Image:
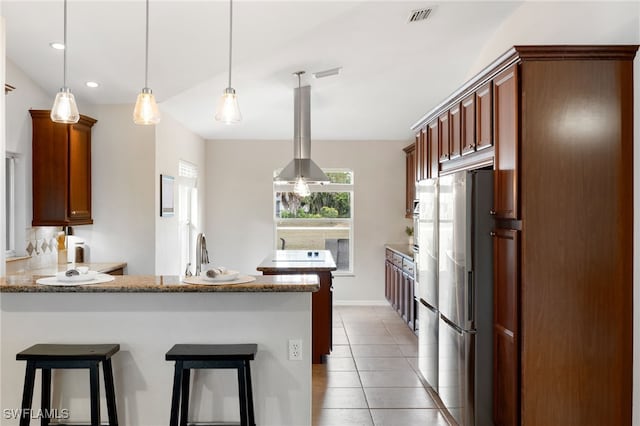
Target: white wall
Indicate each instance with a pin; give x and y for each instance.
(122, 187)
(173, 143)
(2, 148)
(27, 95)
(551, 22)
(240, 228)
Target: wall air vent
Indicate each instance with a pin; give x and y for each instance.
(419, 15)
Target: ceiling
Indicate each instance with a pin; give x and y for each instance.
(392, 71)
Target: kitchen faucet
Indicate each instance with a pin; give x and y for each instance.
(201, 253)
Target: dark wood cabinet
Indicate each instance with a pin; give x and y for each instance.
(400, 286)
(556, 124)
(505, 122)
(443, 136)
(505, 327)
(61, 170)
(411, 169)
(455, 128)
(484, 116)
(433, 147)
(468, 124)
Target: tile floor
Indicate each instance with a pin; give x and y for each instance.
(370, 377)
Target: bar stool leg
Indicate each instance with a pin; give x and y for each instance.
(111, 393)
(175, 396)
(46, 397)
(242, 391)
(184, 406)
(94, 384)
(27, 393)
(252, 420)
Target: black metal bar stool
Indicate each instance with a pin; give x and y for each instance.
(49, 356)
(188, 357)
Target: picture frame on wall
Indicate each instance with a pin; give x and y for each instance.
(167, 205)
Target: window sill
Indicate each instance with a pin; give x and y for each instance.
(343, 274)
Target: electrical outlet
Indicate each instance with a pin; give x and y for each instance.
(295, 350)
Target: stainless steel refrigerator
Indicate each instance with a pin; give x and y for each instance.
(426, 257)
(465, 296)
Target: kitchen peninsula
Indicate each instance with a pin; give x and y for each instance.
(321, 263)
(147, 315)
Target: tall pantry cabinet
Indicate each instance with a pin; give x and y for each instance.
(561, 120)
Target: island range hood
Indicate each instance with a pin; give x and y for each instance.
(302, 168)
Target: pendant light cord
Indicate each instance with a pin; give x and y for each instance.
(64, 54)
(146, 49)
(230, 36)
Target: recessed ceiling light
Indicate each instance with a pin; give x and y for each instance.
(327, 73)
(57, 45)
(92, 84)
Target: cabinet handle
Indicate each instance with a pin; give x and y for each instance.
(492, 212)
(73, 212)
(493, 234)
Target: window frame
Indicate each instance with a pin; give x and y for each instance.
(331, 187)
(10, 206)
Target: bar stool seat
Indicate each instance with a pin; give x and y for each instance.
(188, 357)
(61, 356)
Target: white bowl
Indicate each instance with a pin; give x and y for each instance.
(82, 269)
(228, 275)
(90, 275)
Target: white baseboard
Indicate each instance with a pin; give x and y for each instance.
(360, 303)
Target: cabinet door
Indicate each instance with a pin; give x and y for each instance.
(505, 115)
(418, 153)
(484, 116)
(443, 136)
(468, 123)
(410, 178)
(455, 137)
(388, 279)
(506, 393)
(434, 149)
(79, 172)
(423, 158)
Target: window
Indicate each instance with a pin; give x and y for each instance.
(187, 212)
(10, 204)
(322, 220)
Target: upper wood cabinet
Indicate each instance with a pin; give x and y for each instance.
(433, 148)
(468, 123)
(484, 116)
(61, 169)
(443, 136)
(410, 176)
(505, 122)
(455, 129)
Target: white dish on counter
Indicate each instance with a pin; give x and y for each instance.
(97, 279)
(228, 275)
(88, 276)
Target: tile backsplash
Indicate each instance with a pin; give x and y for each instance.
(42, 246)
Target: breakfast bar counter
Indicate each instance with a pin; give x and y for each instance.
(147, 315)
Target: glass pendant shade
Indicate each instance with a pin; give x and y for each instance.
(228, 110)
(146, 110)
(64, 108)
(301, 188)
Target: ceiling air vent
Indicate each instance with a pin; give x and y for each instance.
(419, 15)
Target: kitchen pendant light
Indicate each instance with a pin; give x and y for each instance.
(146, 110)
(228, 110)
(64, 108)
(301, 188)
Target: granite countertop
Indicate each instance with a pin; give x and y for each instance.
(298, 260)
(26, 283)
(402, 249)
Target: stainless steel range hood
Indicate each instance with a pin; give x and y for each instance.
(302, 166)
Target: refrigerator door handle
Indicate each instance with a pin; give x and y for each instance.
(428, 306)
(455, 327)
(470, 295)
